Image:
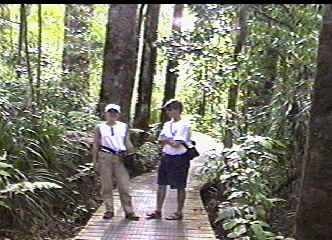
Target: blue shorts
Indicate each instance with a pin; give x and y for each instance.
(173, 171)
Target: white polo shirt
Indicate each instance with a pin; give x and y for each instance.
(179, 130)
(113, 136)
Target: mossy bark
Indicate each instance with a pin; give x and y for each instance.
(148, 68)
(77, 47)
(120, 58)
(314, 213)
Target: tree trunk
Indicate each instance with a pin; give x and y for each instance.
(120, 57)
(271, 75)
(5, 35)
(39, 52)
(20, 40)
(202, 104)
(148, 67)
(5, 27)
(234, 89)
(260, 95)
(77, 47)
(27, 54)
(171, 73)
(140, 22)
(314, 213)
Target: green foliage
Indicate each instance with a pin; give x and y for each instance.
(145, 159)
(97, 24)
(39, 159)
(249, 171)
(42, 165)
(206, 56)
(45, 164)
(274, 92)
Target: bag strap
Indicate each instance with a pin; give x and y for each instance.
(185, 145)
(107, 148)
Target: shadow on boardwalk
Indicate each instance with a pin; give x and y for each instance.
(194, 226)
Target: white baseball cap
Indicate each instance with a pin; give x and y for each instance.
(113, 106)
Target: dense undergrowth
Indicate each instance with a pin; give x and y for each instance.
(48, 187)
(241, 190)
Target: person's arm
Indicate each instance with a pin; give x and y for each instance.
(129, 145)
(182, 136)
(96, 145)
(163, 140)
(174, 143)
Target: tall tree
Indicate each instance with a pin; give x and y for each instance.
(259, 94)
(263, 90)
(39, 51)
(5, 34)
(140, 21)
(148, 68)
(77, 44)
(120, 57)
(4, 25)
(234, 88)
(171, 75)
(27, 53)
(20, 39)
(314, 213)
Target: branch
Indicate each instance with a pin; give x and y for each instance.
(243, 15)
(8, 20)
(276, 20)
(285, 7)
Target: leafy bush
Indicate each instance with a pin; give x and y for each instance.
(145, 159)
(38, 161)
(46, 175)
(249, 172)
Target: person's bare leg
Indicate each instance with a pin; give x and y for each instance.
(181, 196)
(161, 194)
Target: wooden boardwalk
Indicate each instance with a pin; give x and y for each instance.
(194, 226)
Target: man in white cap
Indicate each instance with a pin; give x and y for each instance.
(110, 143)
(174, 165)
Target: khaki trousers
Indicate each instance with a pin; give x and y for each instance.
(109, 166)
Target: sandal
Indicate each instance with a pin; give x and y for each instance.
(132, 217)
(175, 216)
(108, 215)
(154, 215)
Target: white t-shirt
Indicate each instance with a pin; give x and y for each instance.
(179, 130)
(113, 137)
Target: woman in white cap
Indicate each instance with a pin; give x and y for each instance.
(110, 143)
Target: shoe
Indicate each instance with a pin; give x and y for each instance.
(132, 217)
(175, 216)
(108, 215)
(154, 215)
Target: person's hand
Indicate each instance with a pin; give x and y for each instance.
(165, 141)
(95, 164)
(131, 150)
(174, 144)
